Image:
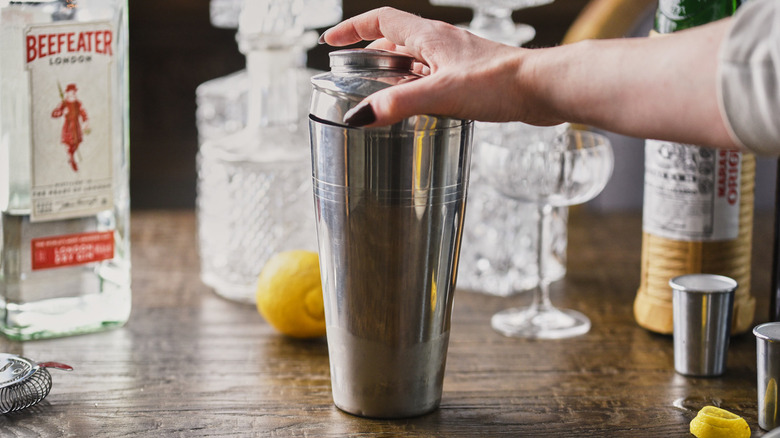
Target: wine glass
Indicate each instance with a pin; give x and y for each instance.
(570, 169)
(493, 19)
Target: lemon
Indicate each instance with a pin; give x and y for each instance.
(712, 422)
(289, 294)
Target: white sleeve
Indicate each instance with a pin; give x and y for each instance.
(749, 77)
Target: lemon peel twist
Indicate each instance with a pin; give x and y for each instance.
(712, 422)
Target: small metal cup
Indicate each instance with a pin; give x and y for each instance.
(702, 311)
(768, 371)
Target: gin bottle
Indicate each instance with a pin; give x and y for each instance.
(254, 185)
(64, 200)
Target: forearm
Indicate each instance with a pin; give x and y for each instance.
(663, 88)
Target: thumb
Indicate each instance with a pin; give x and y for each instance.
(399, 102)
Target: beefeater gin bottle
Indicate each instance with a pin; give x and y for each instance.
(64, 196)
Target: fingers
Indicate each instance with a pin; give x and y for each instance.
(393, 25)
(421, 69)
(384, 44)
(389, 29)
(450, 60)
(396, 103)
(418, 67)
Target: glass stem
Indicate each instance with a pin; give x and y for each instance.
(541, 300)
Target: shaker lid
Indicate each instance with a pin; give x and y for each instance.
(358, 73)
(370, 59)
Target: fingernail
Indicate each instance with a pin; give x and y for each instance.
(361, 115)
(321, 40)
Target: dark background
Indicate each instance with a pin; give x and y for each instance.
(174, 48)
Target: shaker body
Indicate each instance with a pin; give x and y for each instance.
(389, 208)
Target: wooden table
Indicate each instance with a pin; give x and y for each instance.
(191, 364)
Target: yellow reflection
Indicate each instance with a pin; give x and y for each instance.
(423, 127)
(770, 401)
(434, 295)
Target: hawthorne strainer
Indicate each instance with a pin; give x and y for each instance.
(24, 383)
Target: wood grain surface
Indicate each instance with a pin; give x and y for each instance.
(191, 364)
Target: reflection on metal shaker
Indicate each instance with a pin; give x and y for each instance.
(389, 204)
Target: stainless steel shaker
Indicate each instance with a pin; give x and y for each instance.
(389, 204)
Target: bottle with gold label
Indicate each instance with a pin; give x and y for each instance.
(64, 200)
(698, 203)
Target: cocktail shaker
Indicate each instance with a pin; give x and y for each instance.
(389, 205)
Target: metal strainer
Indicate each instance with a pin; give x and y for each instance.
(23, 383)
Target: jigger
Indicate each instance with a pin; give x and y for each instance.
(702, 311)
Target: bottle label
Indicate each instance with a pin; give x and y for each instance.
(692, 193)
(72, 249)
(70, 88)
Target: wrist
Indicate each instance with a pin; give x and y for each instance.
(543, 86)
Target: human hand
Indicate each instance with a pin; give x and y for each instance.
(662, 88)
(465, 76)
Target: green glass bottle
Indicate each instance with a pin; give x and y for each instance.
(697, 204)
(674, 15)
